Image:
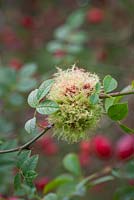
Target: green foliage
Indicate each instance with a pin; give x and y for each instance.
(26, 84)
(62, 179)
(7, 162)
(74, 185)
(94, 98)
(109, 102)
(50, 196)
(30, 126)
(78, 41)
(71, 163)
(98, 88)
(109, 83)
(118, 111)
(68, 38)
(44, 88)
(35, 99)
(76, 19)
(125, 172)
(125, 128)
(23, 181)
(32, 98)
(47, 107)
(16, 83)
(102, 180)
(17, 181)
(27, 70)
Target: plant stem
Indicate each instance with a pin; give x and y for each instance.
(115, 94)
(105, 171)
(28, 144)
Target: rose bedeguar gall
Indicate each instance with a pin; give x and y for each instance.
(76, 116)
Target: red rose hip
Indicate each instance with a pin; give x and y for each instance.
(15, 64)
(125, 147)
(41, 183)
(102, 147)
(85, 146)
(59, 53)
(95, 16)
(27, 22)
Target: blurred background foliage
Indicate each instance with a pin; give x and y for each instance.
(38, 36)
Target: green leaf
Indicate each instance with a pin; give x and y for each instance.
(128, 169)
(80, 189)
(67, 190)
(57, 182)
(44, 88)
(51, 196)
(17, 181)
(76, 19)
(22, 157)
(29, 164)
(32, 98)
(62, 32)
(94, 98)
(26, 84)
(30, 126)
(27, 70)
(116, 173)
(126, 128)
(102, 180)
(48, 107)
(73, 48)
(28, 191)
(118, 111)
(109, 102)
(30, 175)
(109, 83)
(113, 100)
(98, 87)
(71, 163)
(54, 45)
(77, 37)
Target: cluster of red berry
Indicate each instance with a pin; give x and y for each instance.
(99, 146)
(102, 147)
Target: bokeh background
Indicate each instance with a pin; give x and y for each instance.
(97, 35)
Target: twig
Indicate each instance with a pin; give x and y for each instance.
(105, 171)
(28, 144)
(115, 94)
(93, 179)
